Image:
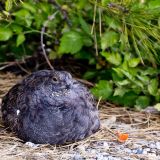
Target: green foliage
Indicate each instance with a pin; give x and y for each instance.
(113, 58)
(134, 85)
(142, 102)
(8, 5)
(157, 106)
(71, 42)
(109, 39)
(103, 89)
(119, 39)
(5, 33)
(20, 39)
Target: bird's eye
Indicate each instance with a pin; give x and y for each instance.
(55, 79)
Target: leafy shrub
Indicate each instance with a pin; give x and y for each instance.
(120, 39)
(131, 84)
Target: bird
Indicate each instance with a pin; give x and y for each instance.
(50, 107)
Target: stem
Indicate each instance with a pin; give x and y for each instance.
(42, 40)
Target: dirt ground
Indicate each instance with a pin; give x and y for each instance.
(143, 143)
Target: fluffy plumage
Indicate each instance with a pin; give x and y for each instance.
(50, 107)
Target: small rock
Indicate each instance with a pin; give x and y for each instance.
(99, 143)
(135, 146)
(127, 150)
(81, 148)
(105, 155)
(146, 150)
(158, 145)
(78, 157)
(152, 145)
(99, 157)
(139, 151)
(93, 151)
(32, 145)
(105, 144)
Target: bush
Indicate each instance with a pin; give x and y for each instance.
(121, 39)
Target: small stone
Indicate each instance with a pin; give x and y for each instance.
(93, 151)
(105, 144)
(146, 150)
(135, 146)
(32, 145)
(110, 158)
(105, 155)
(99, 143)
(152, 145)
(113, 158)
(99, 157)
(81, 148)
(77, 157)
(127, 150)
(158, 145)
(139, 151)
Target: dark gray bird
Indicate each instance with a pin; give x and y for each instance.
(50, 107)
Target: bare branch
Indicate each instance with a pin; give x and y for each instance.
(42, 40)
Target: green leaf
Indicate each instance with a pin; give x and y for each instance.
(153, 87)
(150, 71)
(157, 106)
(127, 100)
(113, 58)
(29, 7)
(157, 97)
(39, 20)
(142, 102)
(23, 16)
(127, 56)
(134, 62)
(20, 39)
(45, 7)
(84, 25)
(103, 89)
(81, 4)
(119, 91)
(136, 89)
(8, 5)
(123, 82)
(112, 23)
(109, 39)
(71, 42)
(105, 2)
(84, 54)
(127, 74)
(5, 34)
(154, 4)
(115, 76)
(87, 41)
(118, 72)
(89, 75)
(16, 28)
(144, 79)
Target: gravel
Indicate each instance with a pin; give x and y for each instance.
(104, 150)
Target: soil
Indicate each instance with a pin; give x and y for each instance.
(142, 127)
